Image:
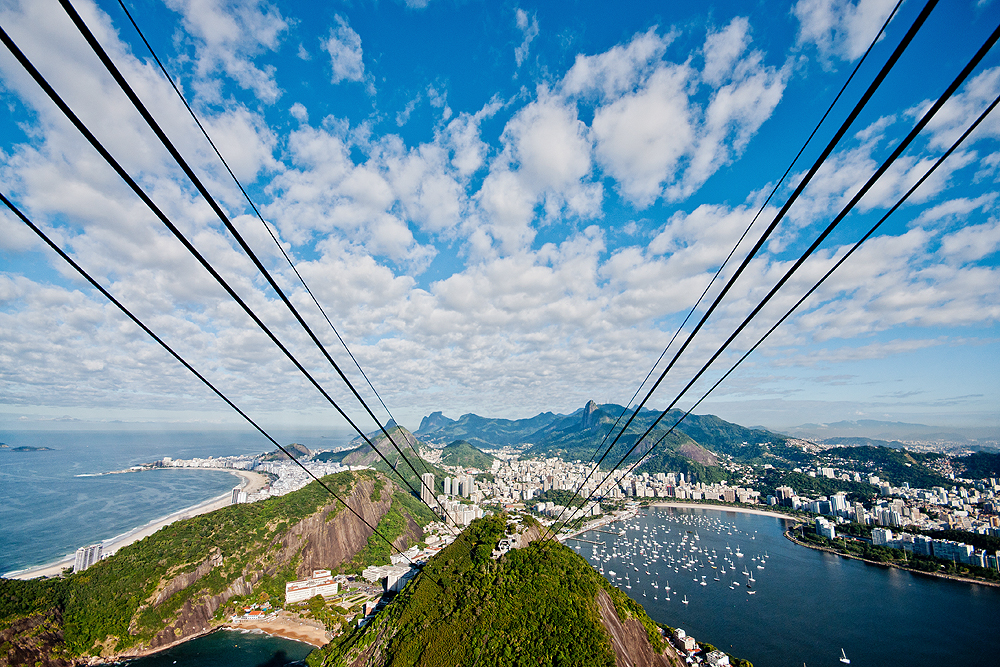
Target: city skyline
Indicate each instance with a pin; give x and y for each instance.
(504, 209)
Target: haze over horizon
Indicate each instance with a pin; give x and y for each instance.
(505, 209)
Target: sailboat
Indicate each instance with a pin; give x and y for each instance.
(843, 657)
(685, 600)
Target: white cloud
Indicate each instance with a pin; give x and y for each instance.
(344, 47)
(962, 109)
(642, 135)
(723, 49)
(617, 70)
(299, 112)
(528, 25)
(651, 136)
(227, 35)
(840, 28)
(546, 159)
(734, 114)
(960, 206)
(972, 243)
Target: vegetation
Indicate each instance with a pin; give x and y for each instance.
(114, 604)
(560, 497)
(814, 486)
(534, 606)
(898, 557)
(980, 465)
(463, 454)
(894, 466)
(668, 460)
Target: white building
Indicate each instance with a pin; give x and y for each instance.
(826, 528)
(87, 556)
(427, 488)
(320, 583)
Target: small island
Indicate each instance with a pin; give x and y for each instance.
(29, 449)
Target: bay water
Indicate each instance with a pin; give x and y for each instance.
(806, 605)
(49, 510)
(229, 648)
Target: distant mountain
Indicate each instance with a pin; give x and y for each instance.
(461, 453)
(482, 432)
(297, 450)
(863, 442)
(985, 436)
(692, 448)
(538, 605)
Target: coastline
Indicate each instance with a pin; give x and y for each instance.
(724, 508)
(939, 575)
(249, 482)
(286, 627)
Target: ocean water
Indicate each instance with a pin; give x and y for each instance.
(49, 511)
(229, 648)
(807, 604)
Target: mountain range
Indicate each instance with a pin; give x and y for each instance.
(971, 436)
(693, 447)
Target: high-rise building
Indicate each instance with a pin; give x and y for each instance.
(87, 556)
(427, 488)
(447, 486)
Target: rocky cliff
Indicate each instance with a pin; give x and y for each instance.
(175, 584)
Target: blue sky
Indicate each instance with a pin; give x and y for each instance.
(505, 208)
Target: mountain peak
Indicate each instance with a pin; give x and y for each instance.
(590, 414)
(434, 421)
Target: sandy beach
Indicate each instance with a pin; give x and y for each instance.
(300, 630)
(725, 508)
(250, 482)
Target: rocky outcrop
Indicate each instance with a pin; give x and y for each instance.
(590, 417)
(325, 543)
(630, 641)
(184, 580)
(433, 422)
(33, 641)
(696, 452)
(320, 541)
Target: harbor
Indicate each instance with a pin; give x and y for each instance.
(731, 579)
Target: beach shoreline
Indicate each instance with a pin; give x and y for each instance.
(939, 575)
(286, 627)
(724, 508)
(249, 482)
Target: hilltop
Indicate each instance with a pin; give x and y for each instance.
(463, 454)
(295, 449)
(363, 454)
(541, 604)
(189, 576)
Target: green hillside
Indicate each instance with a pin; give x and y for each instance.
(980, 465)
(894, 466)
(462, 453)
(534, 606)
(365, 455)
(482, 431)
(119, 603)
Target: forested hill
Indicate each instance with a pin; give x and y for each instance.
(463, 454)
(538, 605)
(404, 462)
(189, 575)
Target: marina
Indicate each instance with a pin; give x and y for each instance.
(732, 580)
